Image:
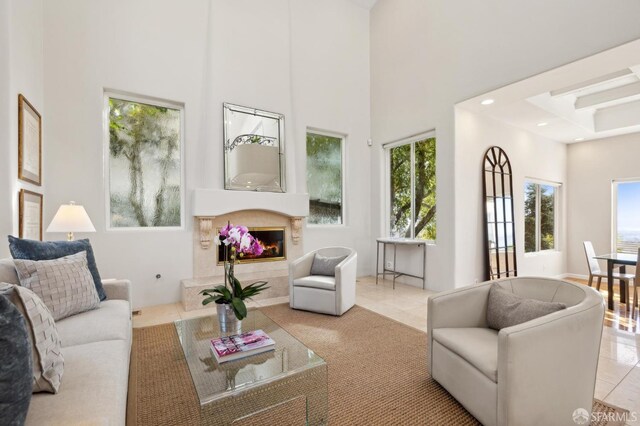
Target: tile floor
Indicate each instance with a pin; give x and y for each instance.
(618, 378)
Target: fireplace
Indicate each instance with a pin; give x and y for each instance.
(273, 243)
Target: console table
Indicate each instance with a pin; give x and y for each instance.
(395, 242)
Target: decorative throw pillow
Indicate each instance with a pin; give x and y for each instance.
(49, 250)
(64, 285)
(15, 368)
(505, 309)
(323, 265)
(47, 360)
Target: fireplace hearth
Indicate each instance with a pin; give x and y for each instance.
(273, 241)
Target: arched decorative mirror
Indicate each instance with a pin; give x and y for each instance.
(500, 240)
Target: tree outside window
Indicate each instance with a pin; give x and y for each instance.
(412, 184)
(145, 173)
(324, 179)
(539, 216)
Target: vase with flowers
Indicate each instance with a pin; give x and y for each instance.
(229, 298)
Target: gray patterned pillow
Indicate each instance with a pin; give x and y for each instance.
(65, 285)
(323, 265)
(48, 363)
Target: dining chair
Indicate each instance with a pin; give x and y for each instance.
(595, 272)
(636, 281)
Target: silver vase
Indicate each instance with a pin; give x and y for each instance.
(227, 319)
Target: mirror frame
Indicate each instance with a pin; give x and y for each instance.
(496, 164)
(227, 109)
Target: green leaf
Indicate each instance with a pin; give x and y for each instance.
(211, 299)
(237, 287)
(239, 308)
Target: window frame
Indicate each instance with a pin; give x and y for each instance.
(343, 166)
(614, 209)
(106, 174)
(556, 215)
(411, 140)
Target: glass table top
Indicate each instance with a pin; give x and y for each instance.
(626, 258)
(214, 381)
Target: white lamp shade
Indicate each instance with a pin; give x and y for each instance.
(71, 218)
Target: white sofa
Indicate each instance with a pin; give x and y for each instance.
(96, 346)
(320, 293)
(535, 373)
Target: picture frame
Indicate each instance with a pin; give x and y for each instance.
(29, 142)
(30, 215)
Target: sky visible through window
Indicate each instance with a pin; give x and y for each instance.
(628, 217)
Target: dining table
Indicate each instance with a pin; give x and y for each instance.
(613, 259)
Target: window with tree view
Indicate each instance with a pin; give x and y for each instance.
(144, 164)
(539, 216)
(627, 220)
(412, 184)
(324, 179)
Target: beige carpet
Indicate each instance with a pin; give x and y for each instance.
(377, 373)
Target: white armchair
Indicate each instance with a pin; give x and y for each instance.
(320, 293)
(535, 373)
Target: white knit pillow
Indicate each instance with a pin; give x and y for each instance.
(65, 285)
(48, 362)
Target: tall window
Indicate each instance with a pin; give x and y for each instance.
(540, 206)
(324, 178)
(144, 163)
(412, 189)
(626, 217)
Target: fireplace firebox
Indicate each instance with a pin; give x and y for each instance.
(273, 244)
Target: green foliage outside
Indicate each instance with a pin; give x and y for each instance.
(546, 194)
(324, 178)
(425, 190)
(147, 139)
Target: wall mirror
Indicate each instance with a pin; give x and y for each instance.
(500, 244)
(253, 149)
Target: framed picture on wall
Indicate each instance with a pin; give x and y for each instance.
(29, 142)
(30, 215)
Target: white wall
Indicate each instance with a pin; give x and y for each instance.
(592, 166)
(531, 156)
(278, 56)
(21, 71)
(428, 55)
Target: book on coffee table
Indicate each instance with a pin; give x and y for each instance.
(238, 346)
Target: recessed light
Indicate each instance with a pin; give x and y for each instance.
(542, 124)
(578, 139)
(487, 102)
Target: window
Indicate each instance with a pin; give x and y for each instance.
(144, 163)
(626, 219)
(324, 178)
(412, 188)
(540, 206)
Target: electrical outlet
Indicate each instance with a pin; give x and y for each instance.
(389, 265)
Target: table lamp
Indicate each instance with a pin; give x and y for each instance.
(71, 218)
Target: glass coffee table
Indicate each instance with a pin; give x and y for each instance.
(288, 384)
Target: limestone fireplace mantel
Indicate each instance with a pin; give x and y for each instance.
(211, 203)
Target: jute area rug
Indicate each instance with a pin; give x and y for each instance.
(377, 373)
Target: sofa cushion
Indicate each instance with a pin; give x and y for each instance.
(477, 346)
(15, 367)
(94, 390)
(112, 321)
(316, 281)
(505, 309)
(323, 265)
(48, 250)
(64, 285)
(47, 358)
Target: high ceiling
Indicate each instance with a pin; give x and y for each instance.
(593, 98)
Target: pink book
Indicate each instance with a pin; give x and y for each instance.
(241, 345)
